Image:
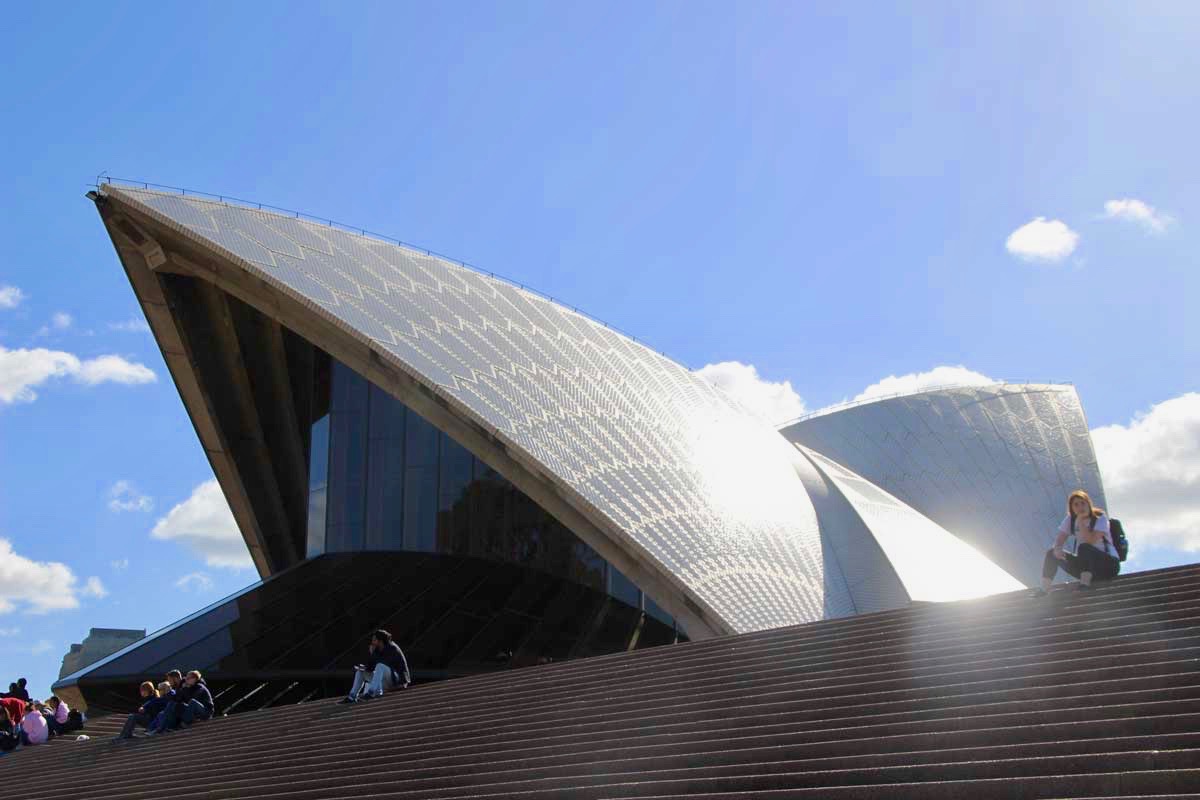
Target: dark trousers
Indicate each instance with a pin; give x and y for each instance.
(132, 721)
(185, 713)
(1089, 559)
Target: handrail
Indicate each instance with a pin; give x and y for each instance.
(845, 404)
(225, 199)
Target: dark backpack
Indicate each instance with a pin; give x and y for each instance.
(1117, 531)
(74, 722)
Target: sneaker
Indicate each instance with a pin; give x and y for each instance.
(365, 697)
(1085, 587)
(346, 700)
(1038, 592)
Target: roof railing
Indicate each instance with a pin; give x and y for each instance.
(104, 178)
(820, 412)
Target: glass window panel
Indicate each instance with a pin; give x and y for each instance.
(622, 588)
(657, 611)
(420, 508)
(318, 473)
(420, 484)
(347, 460)
(316, 523)
(453, 535)
(385, 472)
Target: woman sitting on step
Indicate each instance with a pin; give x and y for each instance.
(1095, 556)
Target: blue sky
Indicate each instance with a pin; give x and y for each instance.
(826, 197)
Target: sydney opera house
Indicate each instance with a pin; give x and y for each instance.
(412, 444)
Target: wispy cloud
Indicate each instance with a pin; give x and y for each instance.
(1133, 210)
(10, 296)
(93, 587)
(132, 325)
(22, 371)
(124, 496)
(40, 647)
(195, 582)
(120, 564)
(1041, 239)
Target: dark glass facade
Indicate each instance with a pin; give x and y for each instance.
(381, 478)
(297, 634)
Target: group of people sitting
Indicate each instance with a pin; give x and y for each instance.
(176, 702)
(25, 722)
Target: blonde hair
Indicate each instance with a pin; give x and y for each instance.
(147, 688)
(1093, 511)
(163, 688)
(195, 672)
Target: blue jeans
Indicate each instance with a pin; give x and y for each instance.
(374, 681)
(187, 713)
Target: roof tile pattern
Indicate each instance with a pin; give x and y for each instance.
(673, 470)
(991, 464)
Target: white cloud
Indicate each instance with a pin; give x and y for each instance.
(93, 587)
(61, 320)
(38, 586)
(774, 402)
(10, 296)
(1151, 471)
(114, 369)
(195, 582)
(204, 524)
(1042, 240)
(124, 496)
(918, 381)
(21, 371)
(1132, 210)
(40, 647)
(132, 325)
(9, 631)
(120, 564)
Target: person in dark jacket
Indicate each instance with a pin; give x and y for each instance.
(152, 705)
(386, 668)
(193, 701)
(19, 691)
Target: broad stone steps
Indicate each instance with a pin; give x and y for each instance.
(895, 697)
(1156, 783)
(661, 727)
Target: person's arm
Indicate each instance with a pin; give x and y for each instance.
(1064, 531)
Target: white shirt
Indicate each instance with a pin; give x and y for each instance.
(1100, 525)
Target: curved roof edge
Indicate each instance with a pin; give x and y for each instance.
(719, 560)
(848, 404)
(932, 563)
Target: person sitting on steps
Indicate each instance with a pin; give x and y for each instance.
(386, 668)
(152, 705)
(1095, 557)
(193, 701)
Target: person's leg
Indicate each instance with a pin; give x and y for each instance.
(375, 681)
(193, 711)
(360, 679)
(1051, 565)
(131, 723)
(170, 718)
(1097, 565)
